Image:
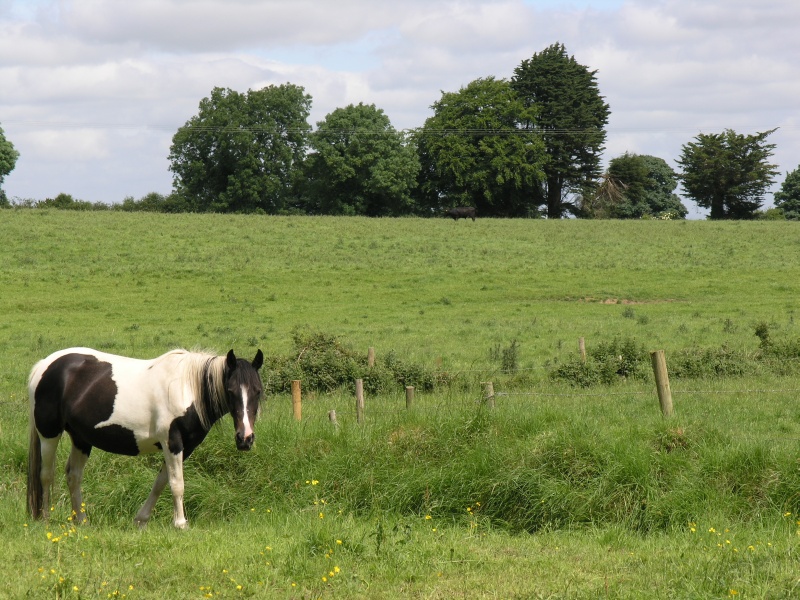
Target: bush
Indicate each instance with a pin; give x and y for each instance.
(607, 363)
(697, 363)
(66, 202)
(325, 364)
(781, 349)
(155, 202)
(619, 359)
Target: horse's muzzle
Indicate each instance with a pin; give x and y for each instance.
(244, 443)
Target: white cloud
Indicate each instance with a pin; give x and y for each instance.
(211, 25)
(80, 144)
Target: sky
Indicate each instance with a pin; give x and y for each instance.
(92, 91)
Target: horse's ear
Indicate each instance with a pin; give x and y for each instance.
(230, 360)
(258, 360)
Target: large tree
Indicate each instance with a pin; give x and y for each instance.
(788, 197)
(644, 185)
(728, 173)
(571, 116)
(473, 152)
(8, 160)
(360, 165)
(242, 152)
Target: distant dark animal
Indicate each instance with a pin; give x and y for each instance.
(131, 406)
(461, 212)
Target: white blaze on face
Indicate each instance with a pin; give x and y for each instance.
(248, 428)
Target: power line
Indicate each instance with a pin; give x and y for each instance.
(45, 125)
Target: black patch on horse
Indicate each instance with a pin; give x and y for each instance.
(75, 393)
(186, 433)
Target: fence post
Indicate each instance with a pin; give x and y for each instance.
(582, 348)
(662, 381)
(488, 394)
(332, 419)
(409, 396)
(297, 400)
(371, 357)
(359, 400)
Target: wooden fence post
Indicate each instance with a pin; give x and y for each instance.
(297, 400)
(488, 394)
(371, 357)
(662, 381)
(582, 348)
(359, 400)
(332, 419)
(409, 396)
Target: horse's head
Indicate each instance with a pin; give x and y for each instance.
(243, 390)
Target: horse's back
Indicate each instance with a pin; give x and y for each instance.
(62, 362)
(77, 385)
(119, 404)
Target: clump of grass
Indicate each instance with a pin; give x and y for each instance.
(507, 357)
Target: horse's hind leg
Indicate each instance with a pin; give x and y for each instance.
(75, 464)
(143, 516)
(48, 446)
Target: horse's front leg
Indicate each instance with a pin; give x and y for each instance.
(174, 466)
(143, 516)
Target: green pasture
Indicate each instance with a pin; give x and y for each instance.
(557, 492)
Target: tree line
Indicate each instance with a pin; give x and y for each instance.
(528, 146)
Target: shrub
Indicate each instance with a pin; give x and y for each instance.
(154, 202)
(781, 349)
(66, 202)
(700, 363)
(762, 333)
(622, 357)
(605, 364)
(577, 373)
(324, 364)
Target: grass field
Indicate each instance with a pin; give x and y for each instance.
(559, 492)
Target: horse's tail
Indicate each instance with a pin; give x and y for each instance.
(35, 490)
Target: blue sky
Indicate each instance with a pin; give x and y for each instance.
(93, 90)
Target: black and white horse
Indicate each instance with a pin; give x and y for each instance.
(130, 406)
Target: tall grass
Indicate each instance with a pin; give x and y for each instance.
(588, 488)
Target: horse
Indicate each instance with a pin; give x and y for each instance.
(131, 406)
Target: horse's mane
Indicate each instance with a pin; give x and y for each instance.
(204, 374)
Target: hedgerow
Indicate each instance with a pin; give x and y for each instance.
(620, 359)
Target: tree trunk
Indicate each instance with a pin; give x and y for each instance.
(554, 205)
(717, 208)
